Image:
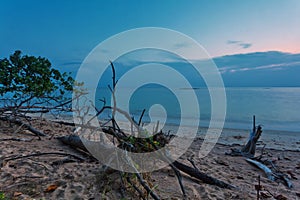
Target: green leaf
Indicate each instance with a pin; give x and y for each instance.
(24, 74)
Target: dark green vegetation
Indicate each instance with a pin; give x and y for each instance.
(31, 82)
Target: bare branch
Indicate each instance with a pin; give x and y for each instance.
(141, 117)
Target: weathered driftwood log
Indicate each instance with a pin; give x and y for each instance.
(263, 167)
(75, 142)
(270, 174)
(17, 139)
(249, 149)
(72, 140)
(201, 176)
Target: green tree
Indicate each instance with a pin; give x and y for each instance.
(30, 81)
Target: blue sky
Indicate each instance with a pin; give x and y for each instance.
(66, 31)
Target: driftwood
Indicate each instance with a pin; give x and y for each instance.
(280, 175)
(250, 147)
(195, 173)
(16, 139)
(263, 167)
(145, 185)
(75, 142)
(132, 142)
(248, 151)
(128, 179)
(274, 174)
(21, 123)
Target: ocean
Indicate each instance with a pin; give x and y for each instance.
(275, 108)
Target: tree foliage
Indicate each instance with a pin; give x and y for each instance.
(33, 76)
(25, 79)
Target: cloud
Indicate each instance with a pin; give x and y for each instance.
(181, 45)
(245, 45)
(279, 66)
(239, 43)
(265, 62)
(233, 41)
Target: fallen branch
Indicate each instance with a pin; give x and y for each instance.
(281, 175)
(147, 188)
(179, 178)
(75, 142)
(141, 180)
(27, 126)
(16, 139)
(201, 176)
(65, 123)
(72, 140)
(135, 187)
(263, 167)
(272, 174)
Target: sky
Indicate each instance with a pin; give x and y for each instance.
(66, 31)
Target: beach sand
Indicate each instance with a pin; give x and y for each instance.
(46, 177)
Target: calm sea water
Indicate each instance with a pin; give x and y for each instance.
(275, 108)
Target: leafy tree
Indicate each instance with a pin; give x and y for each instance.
(29, 80)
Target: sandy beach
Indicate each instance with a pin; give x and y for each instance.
(109, 100)
(49, 177)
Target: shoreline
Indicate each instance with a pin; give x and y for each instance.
(274, 139)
